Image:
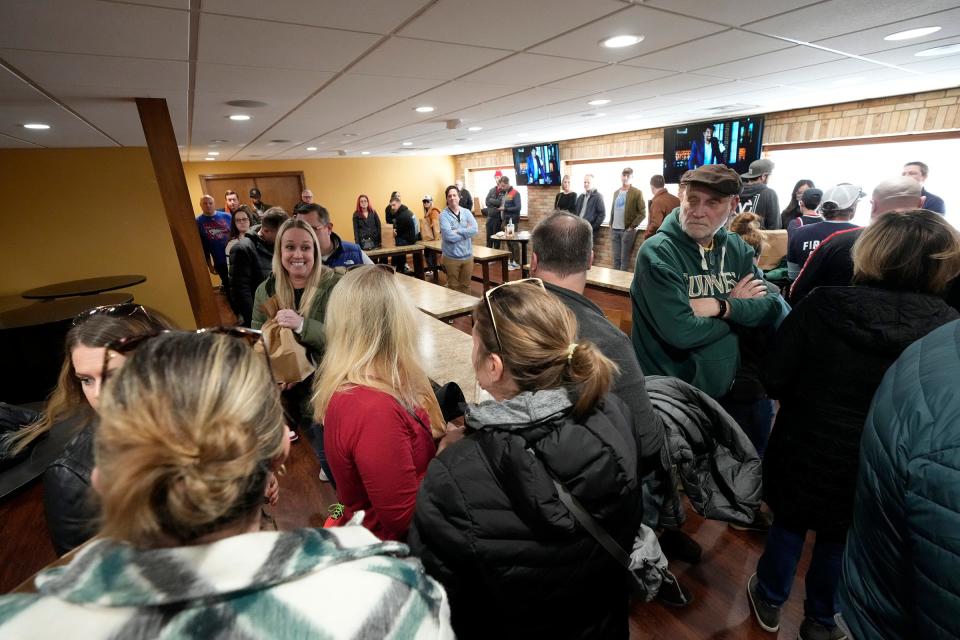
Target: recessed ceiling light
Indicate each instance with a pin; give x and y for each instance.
(474, 128)
(407, 143)
(618, 42)
(218, 141)
(424, 109)
(213, 153)
(311, 148)
(349, 135)
(364, 153)
(912, 33)
(598, 102)
(209, 158)
(239, 117)
(946, 49)
(36, 125)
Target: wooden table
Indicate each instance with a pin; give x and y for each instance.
(434, 300)
(521, 238)
(381, 255)
(609, 279)
(86, 287)
(446, 355)
(482, 256)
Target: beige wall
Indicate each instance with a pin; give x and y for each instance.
(336, 182)
(80, 213)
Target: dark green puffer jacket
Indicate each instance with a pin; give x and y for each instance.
(901, 569)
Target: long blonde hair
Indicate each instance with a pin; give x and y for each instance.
(67, 400)
(284, 289)
(371, 333)
(187, 433)
(535, 336)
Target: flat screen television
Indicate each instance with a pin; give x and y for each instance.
(735, 143)
(537, 164)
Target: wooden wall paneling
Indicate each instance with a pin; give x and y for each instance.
(282, 191)
(165, 157)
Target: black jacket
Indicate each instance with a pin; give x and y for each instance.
(829, 358)
(566, 201)
(490, 526)
(71, 512)
(404, 224)
(366, 231)
(760, 199)
(511, 204)
(466, 200)
(595, 212)
(251, 261)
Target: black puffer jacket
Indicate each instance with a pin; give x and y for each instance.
(251, 261)
(71, 511)
(490, 526)
(718, 466)
(829, 358)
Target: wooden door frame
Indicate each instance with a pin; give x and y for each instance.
(264, 174)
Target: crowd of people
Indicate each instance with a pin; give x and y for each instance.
(512, 517)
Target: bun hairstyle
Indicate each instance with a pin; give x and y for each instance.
(539, 347)
(188, 430)
(747, 226)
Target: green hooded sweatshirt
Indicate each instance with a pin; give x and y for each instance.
(668, 338)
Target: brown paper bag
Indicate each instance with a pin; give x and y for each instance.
(288, 358)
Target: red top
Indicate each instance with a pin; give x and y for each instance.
(378, 454)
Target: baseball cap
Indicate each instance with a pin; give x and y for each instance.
(498, 173)
(254, 193)
(842, 196)
(758, 168)
(811, 198)
(896, 188)
(717, 177)
(428, 198)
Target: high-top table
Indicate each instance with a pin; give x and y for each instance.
(381, 255)
(440, 302)
(481, 255)
(85, 287)
(522, 238)
(609, 279)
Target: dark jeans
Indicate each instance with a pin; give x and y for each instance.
(755, 418)
(493, 226)
(315, 436)
(778, 566)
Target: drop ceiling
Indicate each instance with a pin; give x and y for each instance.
(348, 76)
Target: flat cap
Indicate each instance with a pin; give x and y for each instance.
(718, 177)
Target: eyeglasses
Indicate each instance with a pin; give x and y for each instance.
(114, 311)
(489, 293)
(126, 345)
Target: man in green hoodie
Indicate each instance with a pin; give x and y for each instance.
(693, 280)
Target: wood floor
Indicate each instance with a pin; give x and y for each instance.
(719, 610)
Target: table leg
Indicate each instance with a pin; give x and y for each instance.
(418, 263)
(524, 272)
(506, 269)
(485, 269)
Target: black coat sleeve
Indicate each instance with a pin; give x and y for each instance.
(243, 261)
(466, 200)
(71, 514)
(377, 238)
(358, 230)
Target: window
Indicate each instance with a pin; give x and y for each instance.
(480, 181)
(606, 178)
(866, 165)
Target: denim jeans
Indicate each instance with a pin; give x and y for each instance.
(623, 241)
(755, 418)
(778, 565)
(314, 434)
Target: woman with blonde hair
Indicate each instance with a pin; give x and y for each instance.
(490, 524)
(301, 286)
(70, 512)
(828, 360)
(379, 413)
(190, 431)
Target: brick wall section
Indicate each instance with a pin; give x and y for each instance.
(913, 113)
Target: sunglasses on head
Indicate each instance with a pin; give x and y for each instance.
(114, 311)
(129, 344)
(489, 294)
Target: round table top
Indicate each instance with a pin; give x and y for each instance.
(60, 310)
(84, 287)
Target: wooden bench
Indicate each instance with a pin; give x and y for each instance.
(482, 256)
(446, 355)
(434, 300)
(382, 254)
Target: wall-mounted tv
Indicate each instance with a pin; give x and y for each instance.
(537, 164)
(735, 143)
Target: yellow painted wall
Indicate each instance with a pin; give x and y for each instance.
(336, 182)
(80, 213)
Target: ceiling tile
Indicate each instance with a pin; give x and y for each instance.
(731, 12)
(237, 41)
(723, 47)
(373, 16)
(610, 77)
(659, 29)
(403, 57)
(107, 28)
(785, 59)
(87, 74)
(870, 41)
(249, 83)
(526, 69)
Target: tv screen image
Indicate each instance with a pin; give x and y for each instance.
(537, 164)
(735, 143)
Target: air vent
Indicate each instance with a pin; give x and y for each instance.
(280, 141)
(246, 104)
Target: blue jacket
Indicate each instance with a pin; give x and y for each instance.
(456, 233)
(901, 569)
(345, 254)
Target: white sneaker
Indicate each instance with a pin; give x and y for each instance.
(512, 266)
(323, 476)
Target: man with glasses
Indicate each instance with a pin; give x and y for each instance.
(334, 252)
